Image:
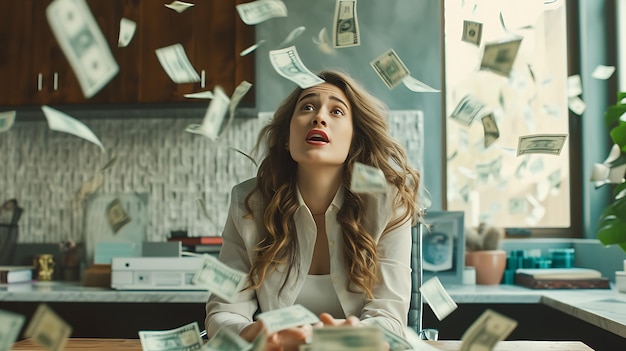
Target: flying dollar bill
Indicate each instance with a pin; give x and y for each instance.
(499, 57)
(490, 129)
(323, 43)
(418, 86)
(219, 279)
(390, 68)
(174, 61)
(215, 114)
(179, 6)
(185, 338)
(258, 11)
(285, 318)
(83, 44)
(550, 144)
(208, 95)
(48, 329)
(367, 179)
(346, 24)
(127, 31)
(486, 331)
(7, 119)
(438, 298)
(116, 215)
(252, 47)
(472, 32)
(467, 110)
(61, 122)
(240, 91)
(288, 64)
(10, 326)
(293, 35)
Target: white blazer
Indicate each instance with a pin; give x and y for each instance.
(392, 292)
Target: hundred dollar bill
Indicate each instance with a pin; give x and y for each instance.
(288, 64)
(288, 317)
(61, 122)
(179, 6)
(574, 85)
(467, 110)
(390, 68)
(348, 339)
(367, 179)
(490, 129)
(438, 298)
(185, 338)
(116, 215)
(499, 57)
(258, 11)
(215, 113)
(10, 326)
(346, 24)
(550, 144)
(227, 340)
(174, 61)
(6, 120)
(486, 331)
(48, 329)
(83, 44)
(219, 279)
(472, 32)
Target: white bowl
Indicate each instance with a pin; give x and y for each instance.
(620, 281)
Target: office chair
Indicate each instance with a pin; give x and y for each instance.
(416, 307)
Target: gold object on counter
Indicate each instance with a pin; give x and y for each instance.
(44, 266)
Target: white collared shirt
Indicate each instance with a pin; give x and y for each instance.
(392, 292)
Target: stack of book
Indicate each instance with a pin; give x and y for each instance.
(201, 244)
(15, 274)
(561, 278)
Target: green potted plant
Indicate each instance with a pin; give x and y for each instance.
(612, 223)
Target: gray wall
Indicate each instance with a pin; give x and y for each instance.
(411, 27)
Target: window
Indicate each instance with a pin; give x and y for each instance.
(506, 63)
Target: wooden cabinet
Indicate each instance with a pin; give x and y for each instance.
(36, 71)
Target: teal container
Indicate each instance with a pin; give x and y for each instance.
(562, 258)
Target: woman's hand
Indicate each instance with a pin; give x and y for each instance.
(284, 340)
(329, 321)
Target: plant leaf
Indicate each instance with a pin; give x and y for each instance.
(613, 113)
(618, 135)
(612, 230)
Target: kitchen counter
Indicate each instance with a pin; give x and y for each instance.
(604, 308)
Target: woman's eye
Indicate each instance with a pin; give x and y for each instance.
(307, 108)
(338, 112)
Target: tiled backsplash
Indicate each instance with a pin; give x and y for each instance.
(44, 170)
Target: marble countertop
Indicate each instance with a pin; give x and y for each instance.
(604, 308)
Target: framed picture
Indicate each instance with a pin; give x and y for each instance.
(443, 246)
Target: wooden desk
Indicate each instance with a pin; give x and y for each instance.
(444, 345)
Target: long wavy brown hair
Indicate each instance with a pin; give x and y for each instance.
(276, 183)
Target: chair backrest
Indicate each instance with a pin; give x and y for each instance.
(415, 309)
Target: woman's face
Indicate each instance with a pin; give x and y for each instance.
(321, 129)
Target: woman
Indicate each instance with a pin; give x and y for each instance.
(300, 232)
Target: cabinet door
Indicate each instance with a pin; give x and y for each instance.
(16, 43)
(209, 33)
(56, 82)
